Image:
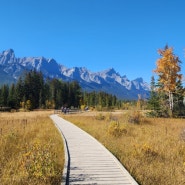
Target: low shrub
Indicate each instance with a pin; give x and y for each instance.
(39, 161)
(135, 117)
(100, 117)
(115, 130)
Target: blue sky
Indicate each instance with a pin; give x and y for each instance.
(96, 34)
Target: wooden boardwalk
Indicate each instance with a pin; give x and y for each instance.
(88, 161)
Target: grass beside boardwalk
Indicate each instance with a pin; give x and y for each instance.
(152, 151)
(31, 149)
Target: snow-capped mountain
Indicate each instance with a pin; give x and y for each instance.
(108, 80)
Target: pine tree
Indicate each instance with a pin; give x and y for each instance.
(19, 91)
(4, 95)
(179, 107)
(153, 102)
(12, 101)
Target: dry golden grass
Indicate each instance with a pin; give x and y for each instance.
(31, 149)
(152, 151)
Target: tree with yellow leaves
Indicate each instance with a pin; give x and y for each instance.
(168, 68)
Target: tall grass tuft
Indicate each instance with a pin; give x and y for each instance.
(31, 149)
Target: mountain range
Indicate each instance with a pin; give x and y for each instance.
(110, 81)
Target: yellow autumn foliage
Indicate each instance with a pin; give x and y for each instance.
(168, 67)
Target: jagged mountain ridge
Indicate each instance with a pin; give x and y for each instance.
(108, 80)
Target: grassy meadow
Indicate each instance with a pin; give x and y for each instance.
(31, 149)
(153, 150)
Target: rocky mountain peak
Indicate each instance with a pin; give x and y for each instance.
(108, 80)
(7, 57)
(9, 52)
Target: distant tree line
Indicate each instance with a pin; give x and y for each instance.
(33, 91)
(99, 100)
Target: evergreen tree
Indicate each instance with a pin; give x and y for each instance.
(19, 91)
(34, 88)
(153, 102)
(12, 100)
(4, 95)
(75, 94)
(179, 107)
